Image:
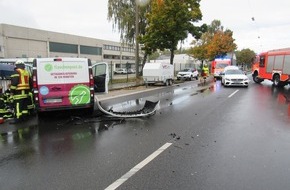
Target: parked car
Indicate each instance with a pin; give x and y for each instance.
(234, 77)
(131, 71)
(121, 71)
(187, 74)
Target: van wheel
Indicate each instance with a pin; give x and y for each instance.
(90, 110)
(40, 114)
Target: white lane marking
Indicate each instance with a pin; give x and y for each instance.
(233, 93)
(139, 166)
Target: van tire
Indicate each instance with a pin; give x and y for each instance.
(90, 110)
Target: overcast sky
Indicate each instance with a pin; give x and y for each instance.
(257, 24)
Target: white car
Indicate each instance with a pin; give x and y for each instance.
(187, 74)
(121, 71)
(235, 77)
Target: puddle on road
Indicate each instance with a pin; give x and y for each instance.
(92, 124)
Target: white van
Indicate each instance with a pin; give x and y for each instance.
(67, 83)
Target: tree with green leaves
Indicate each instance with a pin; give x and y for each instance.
(199, 51)
(122, 13)
(169, 22)
(245, 57)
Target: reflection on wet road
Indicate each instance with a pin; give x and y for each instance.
(76, 151)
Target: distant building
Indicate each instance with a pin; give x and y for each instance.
(23, 42)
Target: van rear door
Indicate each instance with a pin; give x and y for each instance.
(62, 83)
(101, 77)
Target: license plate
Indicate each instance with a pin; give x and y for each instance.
(49, 101)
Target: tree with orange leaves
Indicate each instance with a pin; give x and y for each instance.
(214, 42)
(221, 44)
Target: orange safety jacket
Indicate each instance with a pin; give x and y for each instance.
(23, 80)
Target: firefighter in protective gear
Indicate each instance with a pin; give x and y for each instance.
(8, 98)
(20, 89)
(30, 105)
(205, 70)
(5, 112)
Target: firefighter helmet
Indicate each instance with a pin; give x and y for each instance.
(19, 62)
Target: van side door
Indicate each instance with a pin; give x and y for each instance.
(101, 77)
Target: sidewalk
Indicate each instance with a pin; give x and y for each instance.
(118, 86)
(123, 89)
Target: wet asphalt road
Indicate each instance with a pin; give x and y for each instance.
(217, 138)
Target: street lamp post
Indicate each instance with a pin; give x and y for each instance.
(137, 4)
(136, 38)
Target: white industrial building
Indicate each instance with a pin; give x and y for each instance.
(23, 42)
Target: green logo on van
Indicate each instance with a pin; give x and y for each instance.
(80, 94)
(48, 67)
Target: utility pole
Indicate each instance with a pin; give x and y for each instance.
(136, 38)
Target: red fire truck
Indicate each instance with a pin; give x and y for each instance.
(274, 65)
(218, 65)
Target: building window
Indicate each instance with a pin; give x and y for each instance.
(90, 50)
(64, 48)
(113, 48)
(118, 48)
(107, 56)
(128, 57)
